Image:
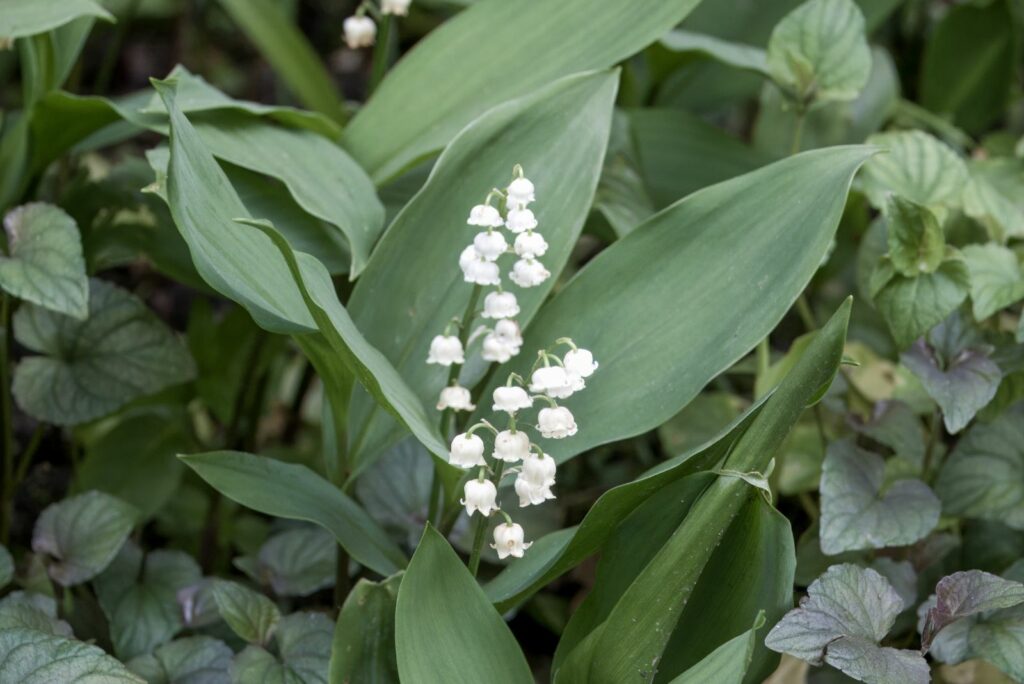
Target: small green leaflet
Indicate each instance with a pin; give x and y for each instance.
(44, 264)
(250, 615)
(916, 242)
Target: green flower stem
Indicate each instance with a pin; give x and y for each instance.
(480, 533)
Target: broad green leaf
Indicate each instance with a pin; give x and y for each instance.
(993, 196)
(139, 597)
(961, 385)
(6, 566)
(917, 167)
(32, 611)
(364, 637)
(559, 135)
(525, 48)
(303, 647)
(968, 66)
(44, 263)
(728, 663)
(967, 593)
(858, 510)
(22, 18)
(819, 51)
(250, 615)
(82, 534)
(31, 657)
(768, 229)
(668, 140)
(996, 278)
(445, 628)
(913, 306)
(736, 55)
(288, 51)
(191, 660)
(984, 476)
(298, 562)
(622, 197)
(295, 492)
(848, 610)
(87, 369)
(916, 242)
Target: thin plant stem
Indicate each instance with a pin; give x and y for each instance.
(798, 129)
(763, 357)
(934, 435)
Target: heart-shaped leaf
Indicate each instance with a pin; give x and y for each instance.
(846, 612)
(191, 660)
(82, 534)
(44, 264)
(819, 51)
(250, 615)
(364, 637)
(90, 368)
(303, 648)
(918, 167)
(31, 657)
(298, 562)
(996, 278)
(961, 384)
(858, 511)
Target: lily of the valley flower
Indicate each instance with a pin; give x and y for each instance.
(530, 245)
(479, 271)
(360, 31)
(556, 423)
(496, 350)
(480, 495)
(508, 540)
(446, 350)
(552, 381)
(485, 215)
(581, 362)
(520, 220)
(520, 193)
(529, 273)
(490, 244)
(534, 482)
(500, 305)
(467, 451)
(456, 398)
(511, 399)
(511, 447)
(396, 7)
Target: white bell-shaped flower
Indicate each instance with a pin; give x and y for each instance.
(480, 495)
(531, 245)
(552, 381)
(485, 215)
(519, 193)
(397, 7)
(481, 272)
(508, 332)
(511, 399)
(581, 362)
(511, 447)
(490, 244)
(455, 398)
(508, 541)
(528, 273)
(446, 350)
(467, 451)
(495, 350)
(360, 32)
(500, 305)
(468, 256)
(534, 482)
(520, 220)
(556, 422)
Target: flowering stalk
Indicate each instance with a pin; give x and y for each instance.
(553, 377)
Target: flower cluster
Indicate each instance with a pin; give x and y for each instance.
(553, 377)
(361, 31)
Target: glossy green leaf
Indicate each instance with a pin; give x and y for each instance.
(82, 534)
(445, 628)
(968, 65)
(525, 48)
(916, 242)
(22, 18)
(997, 280)
(31, 657)
(295, 492)
(961, 384)
(768, 230)
(858, 510)
(848, 610)
(364, 637)
(191, 660)
(250, 615)
(139, 597)
(87, 369)
(913, 306)
(984, 475)
(559, 135)
(303, 645)
(288, 51)
(728, 663)
(44, 263)
(819, 51)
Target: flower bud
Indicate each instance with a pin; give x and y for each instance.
(446, 350)
(530, 245)
(511, 399)
(467, 451)
(511, 447)
(360, 31)
(484, 215)
(480, 495)
(556, 423)
(455, 398)
(508, 541)
(500, 305)
(528, 273)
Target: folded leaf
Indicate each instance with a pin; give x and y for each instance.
(916, 241)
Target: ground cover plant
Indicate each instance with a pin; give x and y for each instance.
(667, 341)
